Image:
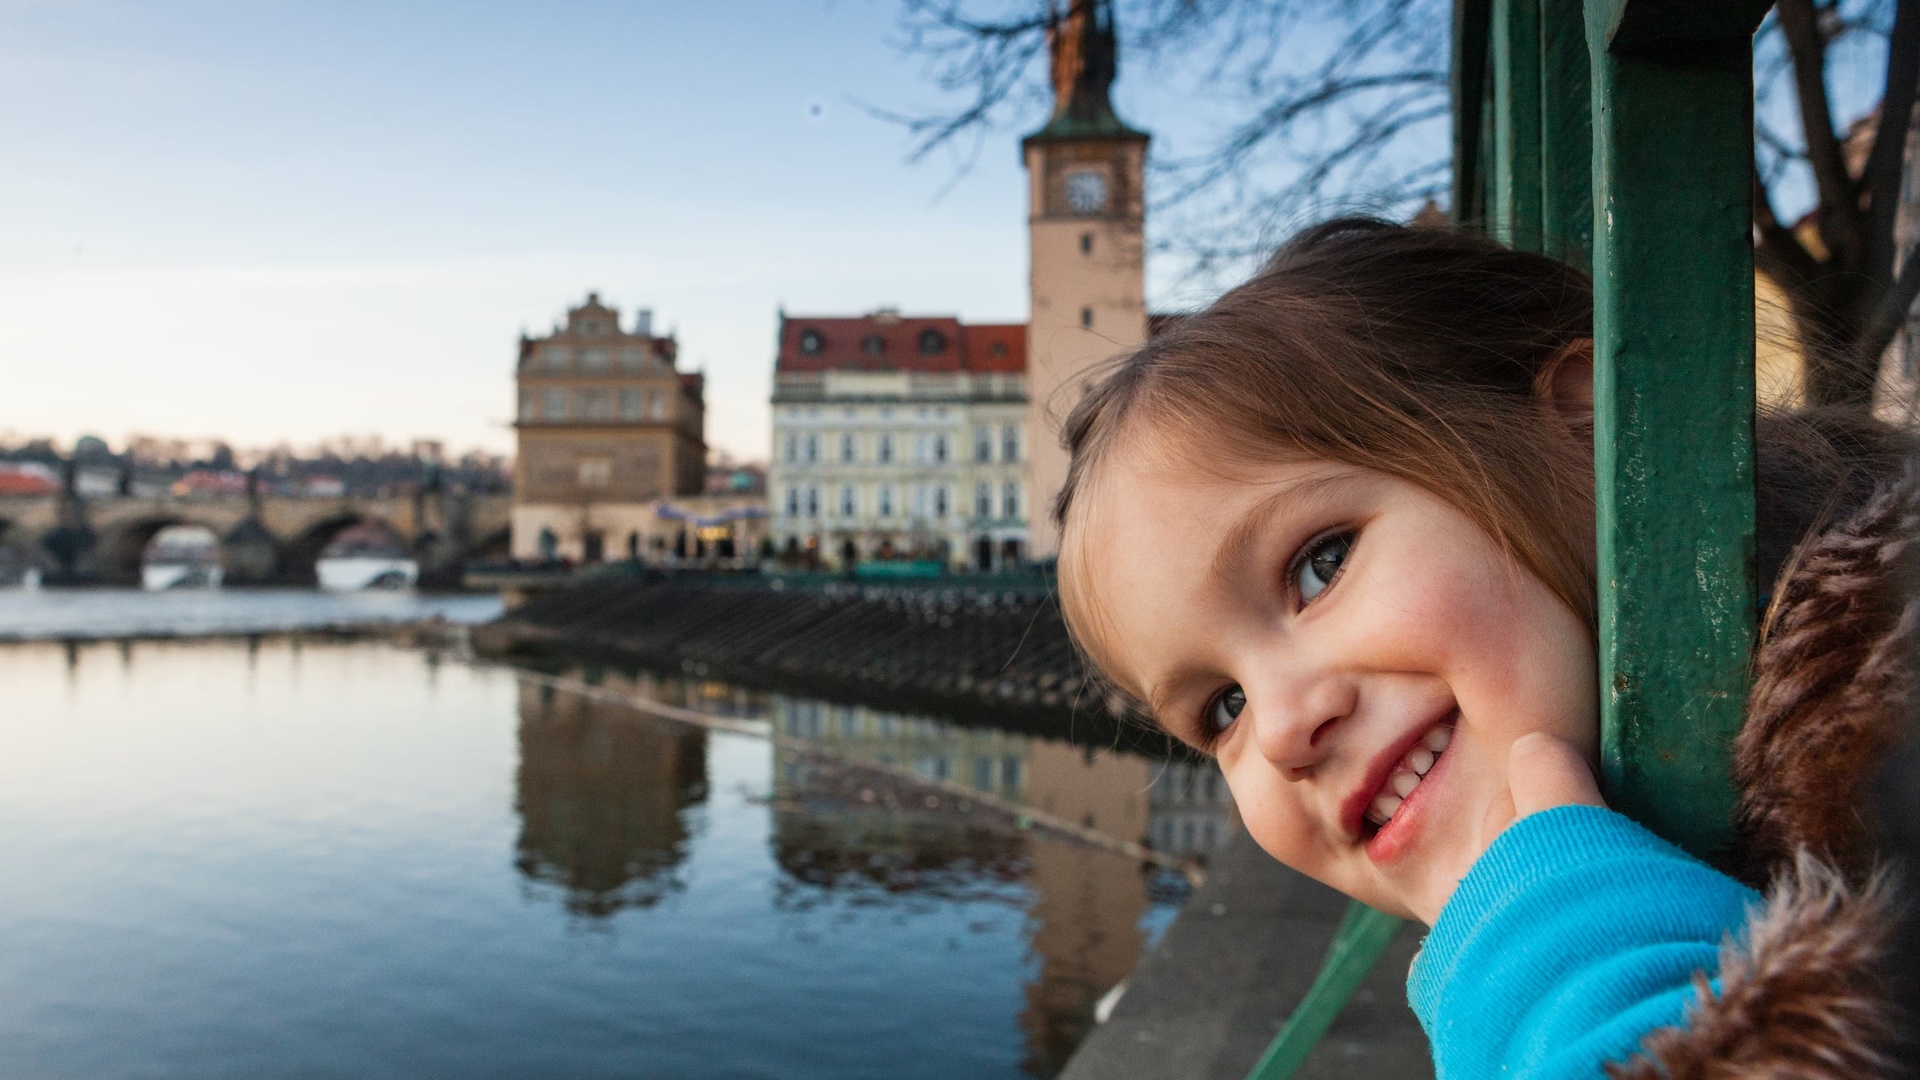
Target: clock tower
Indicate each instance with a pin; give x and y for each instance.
(1085, 172)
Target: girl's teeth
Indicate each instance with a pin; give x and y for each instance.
(1407, 777)
(1403, 782)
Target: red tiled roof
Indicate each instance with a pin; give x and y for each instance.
(900, 343)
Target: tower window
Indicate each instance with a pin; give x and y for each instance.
(1086, 317)
(1086, 243)
(811, 342)
(932, 342)
(873, 345)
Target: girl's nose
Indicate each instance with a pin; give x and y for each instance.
(1294, 720)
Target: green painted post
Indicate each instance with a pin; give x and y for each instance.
(1566, 134)
(1673, 403)
(1467, 80)
(1515, 215)
(1362, 936)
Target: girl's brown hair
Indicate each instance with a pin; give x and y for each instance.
(1418, 353)
(1427, 354)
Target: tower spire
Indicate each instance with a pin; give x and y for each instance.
(1084, 51)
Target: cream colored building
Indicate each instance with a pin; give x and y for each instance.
(610, 431)
(899, 437)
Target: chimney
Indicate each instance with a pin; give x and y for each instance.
(643, 322)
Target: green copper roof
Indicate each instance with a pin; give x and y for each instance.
(1073, 124)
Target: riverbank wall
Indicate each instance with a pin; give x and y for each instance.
(953, 645)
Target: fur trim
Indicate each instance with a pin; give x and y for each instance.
(1834, 676)
(1802, 997)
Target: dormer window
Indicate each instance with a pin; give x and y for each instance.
(811, 342)
(932, 342)
(873, 345)
(998, 348)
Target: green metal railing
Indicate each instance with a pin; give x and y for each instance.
(1618, 134)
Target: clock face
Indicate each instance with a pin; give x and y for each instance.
(1086, 191)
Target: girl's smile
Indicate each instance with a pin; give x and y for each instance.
(1354, 650)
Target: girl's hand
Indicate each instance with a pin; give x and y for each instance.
(1543, 771)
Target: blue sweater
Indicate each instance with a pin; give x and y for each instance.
(1574, 937)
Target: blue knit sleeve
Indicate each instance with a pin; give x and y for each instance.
(1573, 937)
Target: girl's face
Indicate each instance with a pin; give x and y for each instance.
(1356, 652)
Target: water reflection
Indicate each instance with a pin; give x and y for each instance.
(1086, 906)
(603, 794)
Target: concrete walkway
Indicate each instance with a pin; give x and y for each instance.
(1206, 1001)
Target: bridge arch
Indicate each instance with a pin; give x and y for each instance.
(303, 551)
(120, 546)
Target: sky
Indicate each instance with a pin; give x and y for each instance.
(287, 220)
(274, 220)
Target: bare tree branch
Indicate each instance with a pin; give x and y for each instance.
(1896, 304)
(1839, 200)
(1880, 179)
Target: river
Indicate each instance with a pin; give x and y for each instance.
(325, 855)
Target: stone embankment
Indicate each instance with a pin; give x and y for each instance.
(961, 644)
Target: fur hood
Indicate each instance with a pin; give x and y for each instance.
(1804, 993)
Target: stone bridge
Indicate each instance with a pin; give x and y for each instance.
(271, 539)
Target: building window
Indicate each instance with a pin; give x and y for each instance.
(1010, 501)
(630, 403)
(593, 359)
(597, 404)
(1086, 318)
(873, 345)
(849, 448)
(811, 342)
(1086, 243)
(793, 502)
(849, 501)
(792, 450)
(983, 444)
(932, 342)
(1086, 191)
(556, 357)
(657, 404)
(940, 502)
(940, 449)
(556, 404)
(884, 504)
(886, 450)
(983, 500)
(631, 358)
(529, 405)
(1010, 443)
(813, 501)
(596, 472)
(813, 449)
(590, 328)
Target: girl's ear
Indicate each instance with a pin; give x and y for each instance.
(1565, 384)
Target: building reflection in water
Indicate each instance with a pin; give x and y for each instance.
(1086, 904)
(603, 794)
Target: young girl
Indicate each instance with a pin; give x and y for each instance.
(1337, 530)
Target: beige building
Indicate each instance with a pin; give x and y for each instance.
(610, 431)
(899, 437)
(1085, 179)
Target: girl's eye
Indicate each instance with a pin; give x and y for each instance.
(1320, 564)
(1226, 708)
